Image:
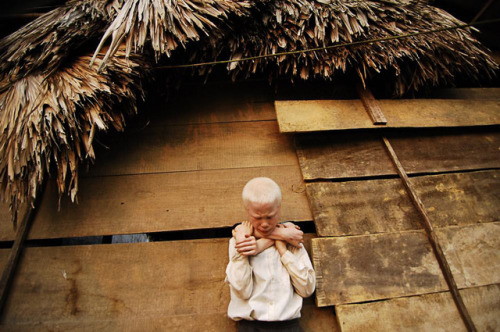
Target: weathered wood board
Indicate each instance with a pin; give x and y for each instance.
(466, 93)
(460, 198)
(7, 231)
(361, 207)
(473, 253)
(197, 147)
(377, 206)
(374, 267)
(322, 115)
(337, 155)
(147, 286)
(216, 112)
(161, 202)
(429, 312)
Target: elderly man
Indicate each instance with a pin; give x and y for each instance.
(267, 277)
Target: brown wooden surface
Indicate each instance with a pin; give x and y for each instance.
(374, 267)
(466, 93)
(170, 286)
(9, 271)
(361, 207)
(7, 231)
(215, 111)
(321, 115)
(162, 202)
(473, 253)
(432, 237)
(371, 105)
(377, 206)
(429, 312)
(343, 155)
(460, 198)
(197, 147)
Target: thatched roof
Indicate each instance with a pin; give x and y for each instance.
(52, 102)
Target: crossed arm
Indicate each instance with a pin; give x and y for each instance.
(248, 245)
(296, 261)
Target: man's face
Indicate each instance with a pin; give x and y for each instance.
(263, 217)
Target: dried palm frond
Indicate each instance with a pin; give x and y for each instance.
(167, 23)
(51, 120)
(46, 42)
(291, 25)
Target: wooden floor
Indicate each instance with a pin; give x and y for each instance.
(183, 172)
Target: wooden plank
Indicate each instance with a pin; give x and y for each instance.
(371, 105)
(433, 239)
(85, 284)
(7, 231)
(429, 312)
(338, 155)
(15, 252)
(466, 93)
(374, 267)
(361, 207)
(213, 102)
(132, 287)
(322, 115)
(376, 206)
(473, 253)
(198, 112)
(197, 147)
(460, 198)
(162, 202)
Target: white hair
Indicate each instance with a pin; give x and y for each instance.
(261, 190)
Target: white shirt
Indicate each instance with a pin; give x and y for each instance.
(268, 287)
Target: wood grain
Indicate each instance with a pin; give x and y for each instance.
(162, 202)
(146, 286)
(374, 267)
(432, 237)
(377, 206)
(322, 115)
(197, 147)
(460, 198)
(466, 93)
(473, 253)
(338, 155)
(214, 111)
(361, 207)
(429, 312)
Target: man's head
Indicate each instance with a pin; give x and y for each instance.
(262, 200)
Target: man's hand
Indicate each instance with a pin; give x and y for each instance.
(242, 231)
(248, 246)
(290, 233)
(280, 246)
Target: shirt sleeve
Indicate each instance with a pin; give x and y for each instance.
(301, 271)
(239, 273)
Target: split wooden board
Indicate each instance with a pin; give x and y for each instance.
(374, 267)
(377, 206)
(390, 265)
(321, 115)
(430, 312)
(198, 147)
(170, 286)
(161, 202)
(337, 155)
